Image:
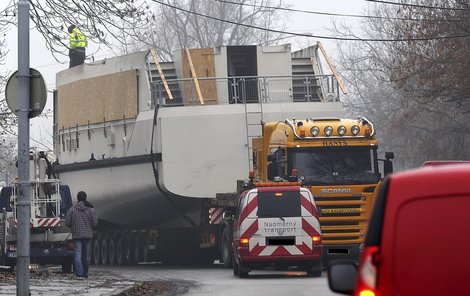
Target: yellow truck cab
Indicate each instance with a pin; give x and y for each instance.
(337, 160)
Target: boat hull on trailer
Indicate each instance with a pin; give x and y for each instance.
(145, 159)
(197, 152)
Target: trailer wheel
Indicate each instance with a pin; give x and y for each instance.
(111, 251)
(120, 251)
(96, 251)
(136, 249)
(104, 250)
(226, 248)
(144, 251)
(89, 253)
(127, 248)
(67, 266)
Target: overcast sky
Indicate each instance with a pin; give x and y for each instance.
(42, 60)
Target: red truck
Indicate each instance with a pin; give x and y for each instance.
(417, 237)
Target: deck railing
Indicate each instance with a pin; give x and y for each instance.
(246, 89)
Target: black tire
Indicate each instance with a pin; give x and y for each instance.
(314, 273)
(91, 254)
(104, 251)
(67, 265)
(314, 270)
(11, 268)
(96, 251)
(226, 247)
(136, 249)
(120, 252)
(111, 251)
(127, 249)
(242, 271)
(235, 267)
(144, 251)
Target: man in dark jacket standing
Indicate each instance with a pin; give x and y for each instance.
(81, 218)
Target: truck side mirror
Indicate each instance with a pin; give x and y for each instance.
(228, 215)
(271, 157)
(388, 164)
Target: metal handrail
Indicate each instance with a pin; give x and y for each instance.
(249, 89)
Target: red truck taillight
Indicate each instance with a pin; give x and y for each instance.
(367, 276)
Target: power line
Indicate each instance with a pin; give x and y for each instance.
(307, 34)
(417, 5)
(309, 11)
(327, 13)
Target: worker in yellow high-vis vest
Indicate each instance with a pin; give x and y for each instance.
(78, 43)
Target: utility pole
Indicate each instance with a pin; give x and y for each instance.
(24, 203)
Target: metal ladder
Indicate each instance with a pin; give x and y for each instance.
(253, 119)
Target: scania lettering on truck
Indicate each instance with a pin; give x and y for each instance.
(337, 160)
(417, 239)
(276, 226)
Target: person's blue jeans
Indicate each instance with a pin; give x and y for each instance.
(81, 262)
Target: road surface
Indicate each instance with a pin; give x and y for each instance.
(190, 281)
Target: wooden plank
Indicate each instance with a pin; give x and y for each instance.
(332, 67)
(162, 77)
(204, 66)
(112, 97)
(194, 75)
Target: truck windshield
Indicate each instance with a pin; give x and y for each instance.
(335, 165)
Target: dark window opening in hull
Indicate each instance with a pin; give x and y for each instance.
(242, 62)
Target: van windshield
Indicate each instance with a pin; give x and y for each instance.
(335, 165)
(278, 204)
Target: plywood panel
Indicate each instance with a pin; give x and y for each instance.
(109, 97)
(203, 62)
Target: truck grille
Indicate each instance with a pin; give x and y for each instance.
(340, 211)
(343, 219)
(354, 197)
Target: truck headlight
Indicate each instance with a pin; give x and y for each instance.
(315, 131)
(341, 130)
(328, 130)
(355, 130)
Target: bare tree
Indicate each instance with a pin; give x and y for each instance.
(8, 122)
(201, 23)
(104, 21)
(417, 87)
(164, 24)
